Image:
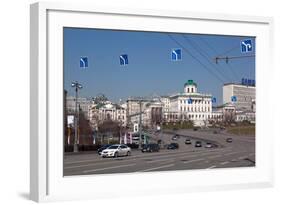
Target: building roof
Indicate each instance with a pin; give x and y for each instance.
(190, 82)
(191, 95)
(225, 84)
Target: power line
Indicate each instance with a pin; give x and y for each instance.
(205, 55)
(204, 66)
(215, 51)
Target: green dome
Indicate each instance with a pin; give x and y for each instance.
(190, 82)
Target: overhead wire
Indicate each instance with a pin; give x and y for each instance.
(206, 56)
(195, 58)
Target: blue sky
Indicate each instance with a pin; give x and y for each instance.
(150, 69)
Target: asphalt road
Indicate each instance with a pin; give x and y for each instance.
(239, 153)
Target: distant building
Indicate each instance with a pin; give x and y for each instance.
(190, 105)
(108, 111)
(83, 103)
(149, 109)
(245, 96)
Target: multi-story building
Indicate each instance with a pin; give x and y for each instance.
(108, 111)
(190, 105)
(245, 96)
(83, 103)
(148, 110)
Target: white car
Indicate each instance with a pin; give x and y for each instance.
(116, 151)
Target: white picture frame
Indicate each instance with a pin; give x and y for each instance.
(46, 151)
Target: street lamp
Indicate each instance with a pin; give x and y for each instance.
(77, 86)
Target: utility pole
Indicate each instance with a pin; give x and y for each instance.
(140, 123)
(77, 86)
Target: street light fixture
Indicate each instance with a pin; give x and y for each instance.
(77, 86)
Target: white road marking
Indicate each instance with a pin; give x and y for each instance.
(212, 167)
(115, 167)
(161, 160)
(94, 163)
(243, 157)
(195, 160)
(223, 163)
(155, 168)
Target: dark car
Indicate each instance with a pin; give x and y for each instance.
(187, 141)
(229, 140)
(198, 144)
(173, 146)
(150, 148)
(103, 147)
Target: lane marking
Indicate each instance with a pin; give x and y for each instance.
(161, 160)
(211, 167)
(155, 168)
(141, 156)
(164, 157)
(195, 160)
(224, 163)
(115, 167)
(101, 163)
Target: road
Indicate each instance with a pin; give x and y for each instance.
(239, 153)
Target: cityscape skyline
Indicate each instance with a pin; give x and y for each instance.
(150, 70)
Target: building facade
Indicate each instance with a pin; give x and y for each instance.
(190, 105)
(83, 103)
(245, 96)
(107, 111)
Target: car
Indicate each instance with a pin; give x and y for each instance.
(187, 141)
(173, 146)
(150, 148)
(208, 145)
(175, 137)
(116, 150)
(229, 140)
(198, 144)
(103, 147)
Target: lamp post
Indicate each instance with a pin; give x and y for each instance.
(77, 86)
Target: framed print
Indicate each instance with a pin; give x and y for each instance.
(132, 102)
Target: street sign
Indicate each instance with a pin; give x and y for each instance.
(176, 54)
(233, 98)
(248, 82)
(84, 62)
(189, 101)
(124, 59)
(246, 46)
(214, 100)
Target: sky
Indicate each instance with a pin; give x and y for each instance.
(150, 70)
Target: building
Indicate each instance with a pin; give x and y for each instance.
(107, 111)
(83, 103)
(245, 96)
(190, 105)
(148, 110)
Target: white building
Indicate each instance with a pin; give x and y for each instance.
(190, 105)
(245, 95)
(108, 111)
